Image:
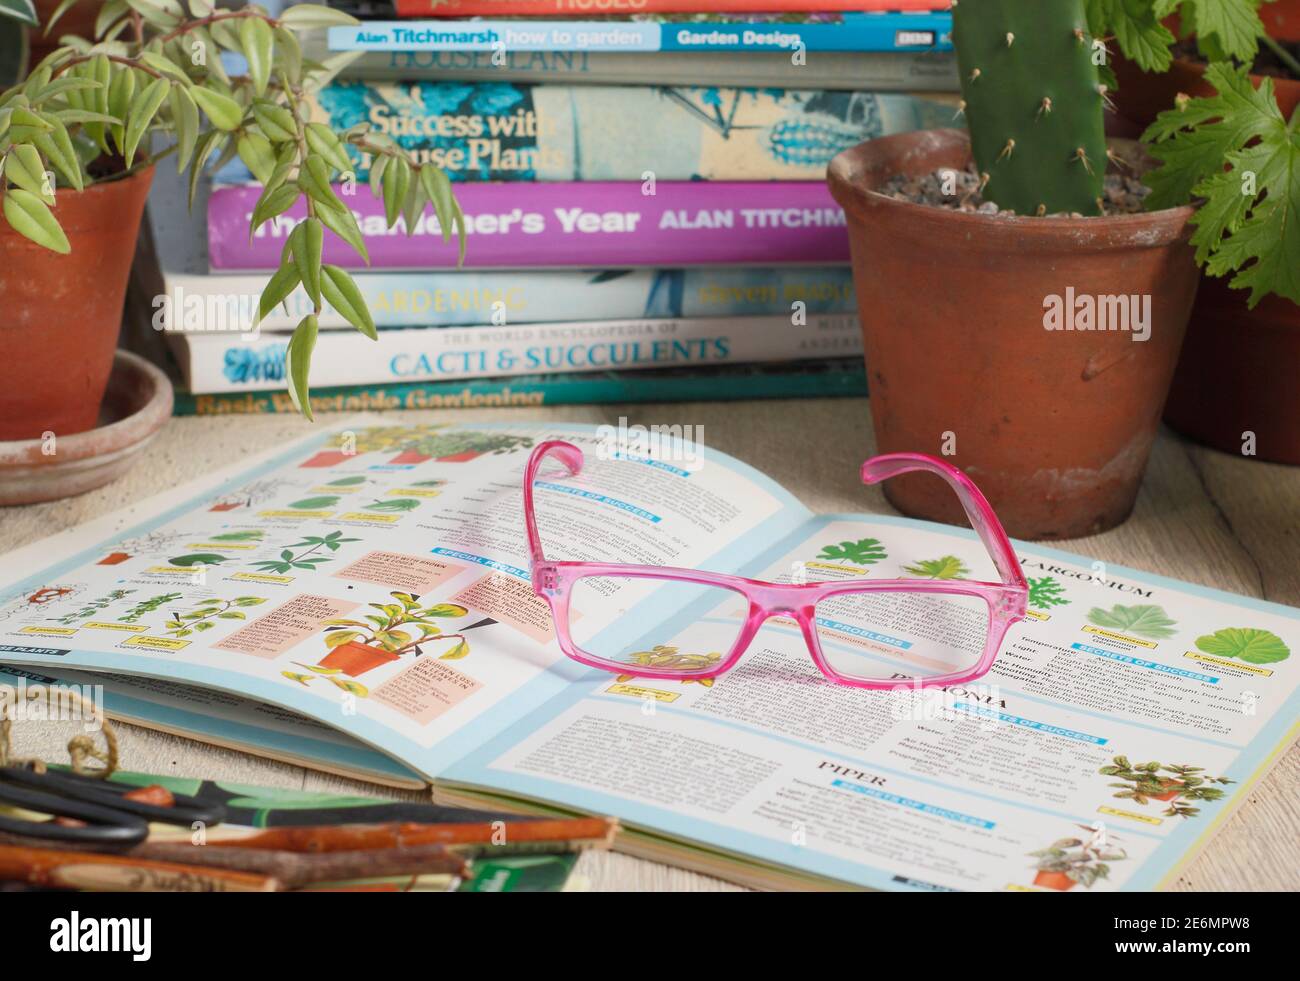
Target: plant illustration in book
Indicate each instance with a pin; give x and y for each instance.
(1148, 620)
(865, 551)
(944, 567)
(318, 503)
(145, 607)
(427, 442)
(205, 615)
(665, 658)
(395, 630)
(396, 505)
(1175, 784)
(302, 555)
(1046, 592)
(1068, 862)
(250, 495)
(1245, 643)
(94, 606)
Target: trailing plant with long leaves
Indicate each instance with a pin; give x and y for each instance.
(91, 109)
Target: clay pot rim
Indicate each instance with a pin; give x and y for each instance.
(847, 178)
(102, 441)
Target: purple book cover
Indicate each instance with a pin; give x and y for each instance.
(584, 224)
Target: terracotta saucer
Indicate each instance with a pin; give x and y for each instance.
(137, 403)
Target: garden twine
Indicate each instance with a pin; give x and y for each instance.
(81, 748)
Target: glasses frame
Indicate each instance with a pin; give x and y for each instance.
(1006, 600)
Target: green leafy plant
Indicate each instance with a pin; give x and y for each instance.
(91, 109)
(947, 567)
(145, 607)
(205, 616)
(95, 605)
(1246, 643)
(16, 16)
(315, 503)
(394, 505)
(1147, 621)
(198, 558)
(307, 559)
(239, 536)
(865, 551)
(1178, 784)
(354, 481)
(1036, 79)
(1046, 592)
(1082, 860)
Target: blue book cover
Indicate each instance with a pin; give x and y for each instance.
(817, 32)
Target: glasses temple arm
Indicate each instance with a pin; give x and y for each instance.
(571, 457)
(981, 515)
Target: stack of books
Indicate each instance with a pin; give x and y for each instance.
(644, 197)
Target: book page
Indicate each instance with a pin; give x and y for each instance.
(376, 577)
(1120, 722)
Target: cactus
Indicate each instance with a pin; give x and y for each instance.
(1033, 99)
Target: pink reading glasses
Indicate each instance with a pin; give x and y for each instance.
(867, 633)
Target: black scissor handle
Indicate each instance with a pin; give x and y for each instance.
(104, 825)
(186, 812)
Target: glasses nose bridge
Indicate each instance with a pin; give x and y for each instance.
(782, 599)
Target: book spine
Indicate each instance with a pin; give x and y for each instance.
(501, 131)
(559, 225)
(224, 363)
(852, 32)
(229, 302)
(834, 70)
(561, 8)
(834, 379)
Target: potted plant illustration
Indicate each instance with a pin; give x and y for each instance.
(88, 114)
(206, 613)
(458, 447)
(395, 630)
(1006, 336)
(1068, 862)
(1175, 785)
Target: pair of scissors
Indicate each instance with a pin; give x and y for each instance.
(103, 815)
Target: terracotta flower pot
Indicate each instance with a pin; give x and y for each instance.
(1282, 19)
(113, 558)
(355, 659)
(1055, 426)
(1176, 788)
(1142, 96)
(1054, 880)
(225, 506)
(1237, 375)
(60, 314)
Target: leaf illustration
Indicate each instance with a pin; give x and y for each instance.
(400, 504)
(1251, 645)
(346, 482)
(238, 536)
(314, 503)
(456, 653)
(865, 551)
(1148, 620)
(1046, 592)
(947, 567)
(198, 558)
(445, 610)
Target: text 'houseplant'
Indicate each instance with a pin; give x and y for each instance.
(82, 126)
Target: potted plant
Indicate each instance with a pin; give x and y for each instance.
(1068, 862)
(397, 629)
(77, 142)
(1175, 785)
(981, 328)
(1234, 387)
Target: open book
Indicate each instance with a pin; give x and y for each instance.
(360, 602)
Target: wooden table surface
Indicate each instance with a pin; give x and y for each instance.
(1201, 516)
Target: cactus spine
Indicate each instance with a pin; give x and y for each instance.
(1033, 99)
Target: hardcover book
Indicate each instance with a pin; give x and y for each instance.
(502, 131)
(360, 600)
(509, 226)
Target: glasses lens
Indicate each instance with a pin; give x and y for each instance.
(638, 625)
(888, 636)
